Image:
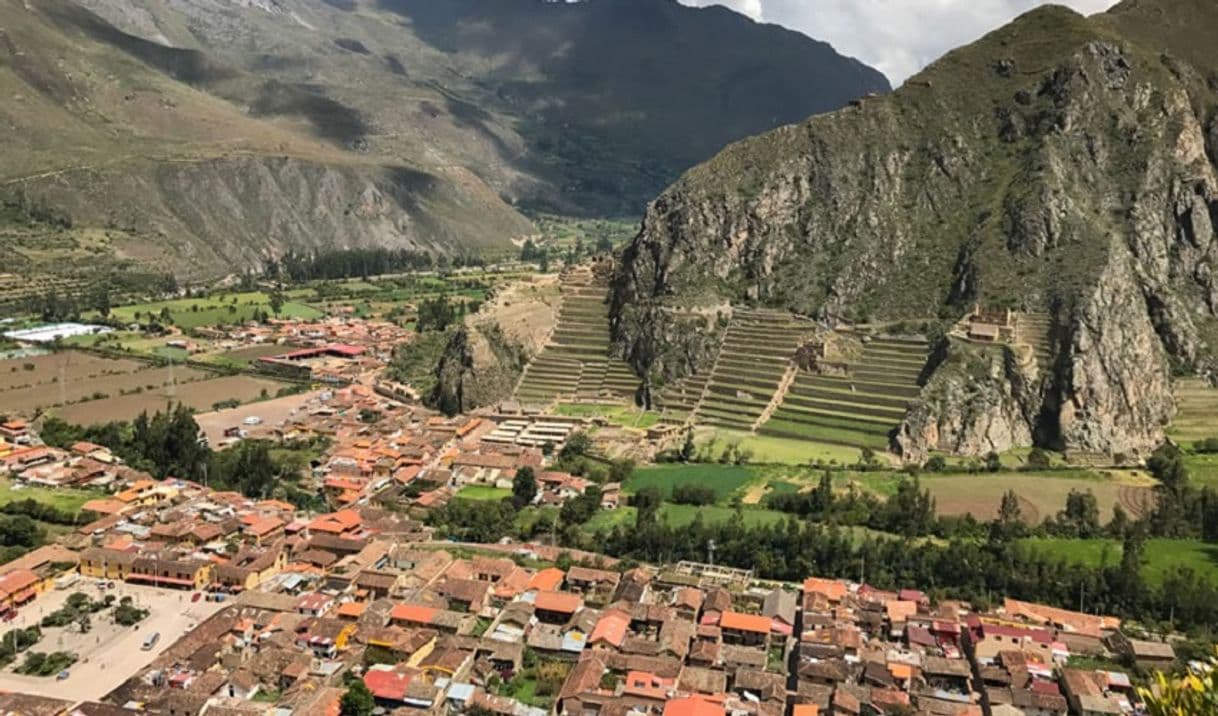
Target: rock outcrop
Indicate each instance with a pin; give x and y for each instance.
(1060, 165)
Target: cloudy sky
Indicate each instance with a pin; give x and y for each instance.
(898, 37)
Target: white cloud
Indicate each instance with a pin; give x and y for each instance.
(898, 37)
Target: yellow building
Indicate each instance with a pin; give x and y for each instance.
(103, 563)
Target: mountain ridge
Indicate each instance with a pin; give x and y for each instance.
(1059, 164)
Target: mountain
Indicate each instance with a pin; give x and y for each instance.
(145, 141)
(215, 133)
(1061, 165)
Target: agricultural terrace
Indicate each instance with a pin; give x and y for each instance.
(1197, 414)
(1160, 556)
(626, 416)
(754, 364)
(575, 364)
(859, 409)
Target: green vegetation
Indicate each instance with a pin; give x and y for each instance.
(724, 480)
(221, 309)
(483, 493)
(626, 416)
(68, 500)
(39, 664)
(1162, 556)
(414, 363)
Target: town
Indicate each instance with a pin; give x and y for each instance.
(249, 606)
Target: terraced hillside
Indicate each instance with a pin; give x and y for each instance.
(1034, 330)
(860, 408)
(575, 364)
(754, 366)
(677, 402)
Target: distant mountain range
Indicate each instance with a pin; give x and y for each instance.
(215, 133)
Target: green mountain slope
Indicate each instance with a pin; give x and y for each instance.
(1061, 164)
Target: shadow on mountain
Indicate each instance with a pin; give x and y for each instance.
(612, 89)
(330, 119)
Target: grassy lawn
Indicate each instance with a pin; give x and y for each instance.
(483, 493)
(770, 449)
(68, 500)
(725, 480)
(1161, 555)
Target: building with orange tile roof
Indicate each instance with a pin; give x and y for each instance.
(693, 706)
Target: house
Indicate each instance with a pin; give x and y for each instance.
(989, 640)
(19, 587)
(103, 563)
(314, 604)
(1147, 654)
(465, 595)
(745, 629)
(556, 607)
(585, 579)
(693, 706)
(388, 686)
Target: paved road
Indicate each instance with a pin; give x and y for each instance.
(114, 653)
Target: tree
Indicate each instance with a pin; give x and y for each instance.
(621, 470)
(358, 701)
(936, 463)
(524, 487)
(993, 463)
(1010, 517)
(688, 447)
(1193, 693)
(1038, 459)
(277, 300)
(577, 445)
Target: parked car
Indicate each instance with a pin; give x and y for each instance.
(196, 596)
(63, 675)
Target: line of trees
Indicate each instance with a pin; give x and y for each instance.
(353, 263)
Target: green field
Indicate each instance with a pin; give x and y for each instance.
(772, 449)
(68, 500)
(483, 493)
(725, 480)
(1161, 555)
(190, 313)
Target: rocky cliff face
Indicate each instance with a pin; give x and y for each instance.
(485, 357)
(1061, 164)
